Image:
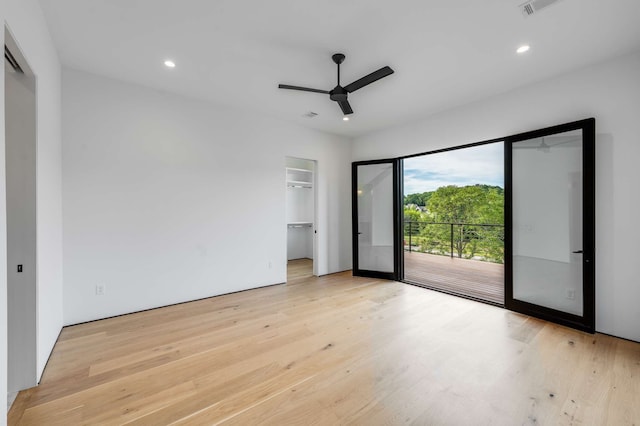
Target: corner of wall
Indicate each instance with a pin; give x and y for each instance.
(3, 237)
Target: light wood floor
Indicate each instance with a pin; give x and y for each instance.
(482, 280)
(334, 350)
(299, 269)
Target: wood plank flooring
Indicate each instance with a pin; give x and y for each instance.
(482, 280)
(298, 269)
(334, 350)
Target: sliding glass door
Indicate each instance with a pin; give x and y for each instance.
(548, 233)
(550, 191)
(375, 218)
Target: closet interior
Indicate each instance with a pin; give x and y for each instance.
(300, 202)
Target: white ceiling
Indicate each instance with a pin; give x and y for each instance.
(445, 53)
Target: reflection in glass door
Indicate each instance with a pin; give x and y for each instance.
(374, 221)
(552, 225)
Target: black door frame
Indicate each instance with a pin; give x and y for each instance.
(586, 322)
(397, 212)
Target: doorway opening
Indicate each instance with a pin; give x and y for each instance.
(20, 163)
(453, 221)
(300, 215)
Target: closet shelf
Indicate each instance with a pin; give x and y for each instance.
(299, 178)
(299, 184)
(299, 225)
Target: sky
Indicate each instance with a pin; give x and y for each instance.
(483, 164)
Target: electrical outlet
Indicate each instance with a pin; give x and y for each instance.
(100, 289)
(571, 294)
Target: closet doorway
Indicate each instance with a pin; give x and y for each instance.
(20, 162)
(300, 213)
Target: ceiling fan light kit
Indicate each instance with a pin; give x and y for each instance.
(340, 94)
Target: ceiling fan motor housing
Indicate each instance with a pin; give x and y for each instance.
(338, 94)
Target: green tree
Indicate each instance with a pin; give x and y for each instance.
(418, 199)
(456, 204)
(411, 215)
(492, 212)
(412, 229)
(462, 206)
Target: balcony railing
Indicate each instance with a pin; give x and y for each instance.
(479, 241)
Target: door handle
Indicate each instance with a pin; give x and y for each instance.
(577, 251)
(359, 233)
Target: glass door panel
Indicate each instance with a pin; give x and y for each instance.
(552, 239)
(547, 221)
(374, 219)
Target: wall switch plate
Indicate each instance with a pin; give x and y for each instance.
(571, 294)
(100, 289)
(19, 268)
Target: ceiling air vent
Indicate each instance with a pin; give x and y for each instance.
(534, 6)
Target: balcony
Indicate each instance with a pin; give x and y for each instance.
(461, 258)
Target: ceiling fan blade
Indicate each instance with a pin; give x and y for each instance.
(368, 79)
(345, 107)
(304, 89)
(575, 139)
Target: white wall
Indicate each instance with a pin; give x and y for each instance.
(300, 242)
(20, 152)
(26, 22)
(3, 238)
(610, 92)
(169, 199)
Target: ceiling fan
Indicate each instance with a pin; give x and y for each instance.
(339, 93)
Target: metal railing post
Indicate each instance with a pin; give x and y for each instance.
(410, 231)
(452, 240)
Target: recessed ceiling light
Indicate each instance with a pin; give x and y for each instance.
(169, 63)
(523, 48)
(345, 118)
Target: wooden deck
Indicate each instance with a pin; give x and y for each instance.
(482, 280)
